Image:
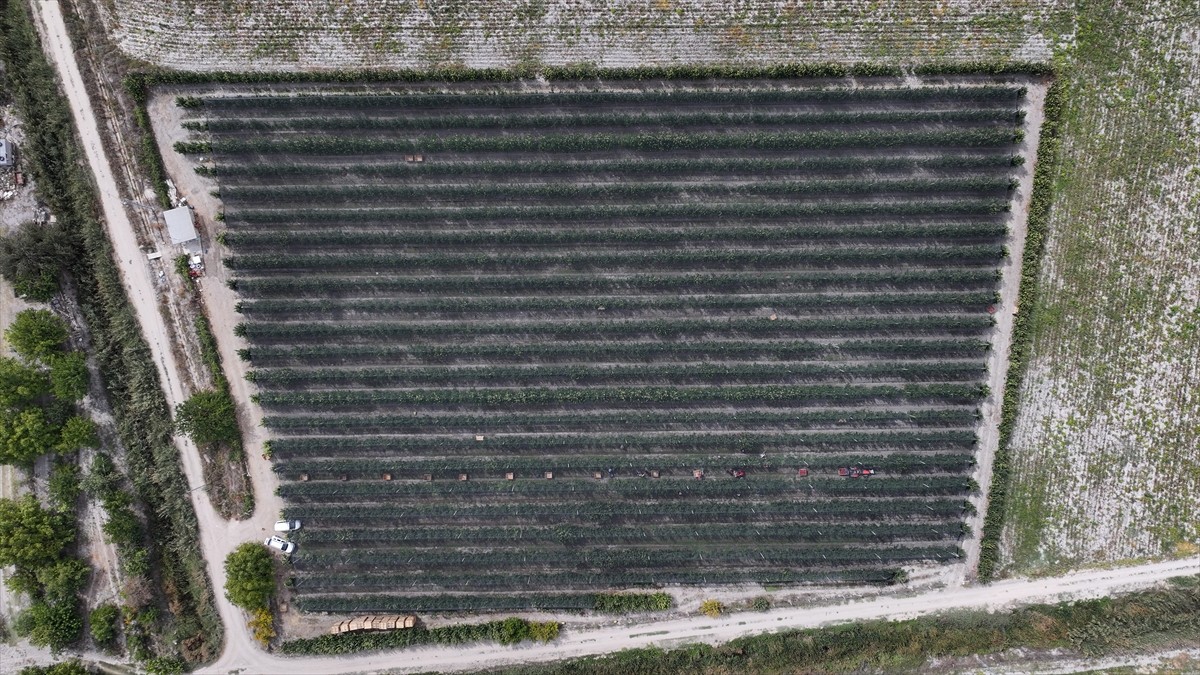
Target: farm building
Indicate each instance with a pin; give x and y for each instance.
(182, 228)
(7, 153)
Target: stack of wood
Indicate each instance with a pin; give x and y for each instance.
(364, 623)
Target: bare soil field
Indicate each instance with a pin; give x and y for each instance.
(1106, 452)
(340, 34)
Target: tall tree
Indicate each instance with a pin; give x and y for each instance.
(37, 335)
(31, 536)
(250, 576)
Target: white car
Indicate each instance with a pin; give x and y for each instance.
(281, 544)
(286, 525)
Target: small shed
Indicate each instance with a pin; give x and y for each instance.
(7, 153)
(182, 228)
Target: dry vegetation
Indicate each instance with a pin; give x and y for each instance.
(327, 34)
(1107, 446)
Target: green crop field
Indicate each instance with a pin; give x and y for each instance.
(517, 347)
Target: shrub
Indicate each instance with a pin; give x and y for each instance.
(250, 576)
(77, 432)
(544, 631)
(69, 376)
(262, 625)
(37, 334)
(208, 417)
(633, 602)
(31, 536)
(103, 624)
(712, 608)
(34, 256)
(64, 485)
(760, 604)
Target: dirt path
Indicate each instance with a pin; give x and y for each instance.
(218, 537)
(1010, 284)
(1080, 585)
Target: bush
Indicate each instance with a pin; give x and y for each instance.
(262, 625)
(69, 376)
(103, 623)
(64, 485)
(77, 432)
(250, 576)
(56, 625)
(760, 604)
(34, 256)
(63, 580)
(37, 335)
(72, 667)
(712, 608)
(31, 536)
(25, 435)
(20, 385)
(633, 602)
(544, 631)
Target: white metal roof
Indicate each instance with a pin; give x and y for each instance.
(180, 225)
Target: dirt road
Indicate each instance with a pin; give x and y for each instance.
(1088, 584)
(218, 537)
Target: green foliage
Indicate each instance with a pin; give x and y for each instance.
(208, 417)
(544, 631)
(103, 623)
(31, 536)
(761, 603)
(69, 376)
(620, 603)
(122, 527)
(129, 374)
(712, 608)
(64, 579)
(21, 385)
(1093, 628)
(37, 335)
(72, 667)
(25, 435)
(64, 485)
(56, 625)
(250, 576)
(506, 631)
(77, 432)
(33, 256)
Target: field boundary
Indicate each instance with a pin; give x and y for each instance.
(1037, 223)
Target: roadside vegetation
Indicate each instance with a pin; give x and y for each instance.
(174, 611)
(210, 418)
(508, 631)
(250, 584)
(1160, 619)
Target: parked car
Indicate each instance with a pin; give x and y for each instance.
(286, 525)
(281, 544)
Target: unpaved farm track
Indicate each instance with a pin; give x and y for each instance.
(1080, 585)
(218, 537)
